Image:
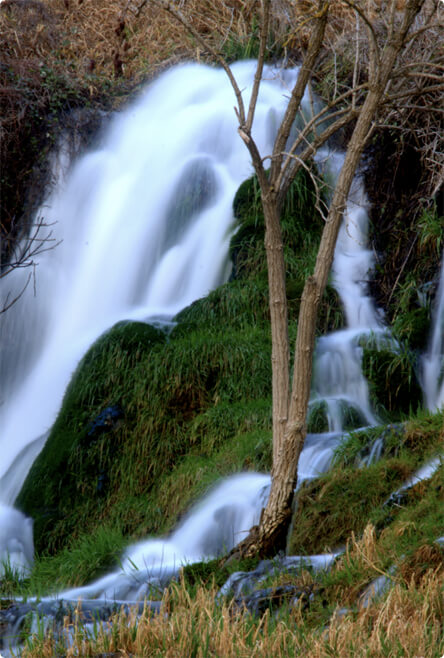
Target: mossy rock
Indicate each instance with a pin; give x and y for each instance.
(180, 400)
(317, 421)
(238, 304)
(96, 386)
(330, 508)
(394, 388)
(300, 222)
(413, 327)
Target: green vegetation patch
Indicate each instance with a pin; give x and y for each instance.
(214, 572)
(78, 456)
(347, 498)
(165, 395)
(393, 384)
(332, 507)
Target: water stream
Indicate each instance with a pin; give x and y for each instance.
(433, 361)
(131, 247)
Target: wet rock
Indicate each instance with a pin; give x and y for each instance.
(105, 421)
(57, 615)
(377, 588)
(401, 496)
(243, 585)
(391, 374)
(272, 598)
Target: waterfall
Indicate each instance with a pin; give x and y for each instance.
(128, 248)
(433, 361)
(130, 244)
(338, 381)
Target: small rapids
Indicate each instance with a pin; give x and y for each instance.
(133, 246)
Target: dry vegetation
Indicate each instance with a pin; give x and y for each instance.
(408, 622)
(77, 47)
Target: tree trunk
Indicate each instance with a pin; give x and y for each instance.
(289, 427)
(280, 351)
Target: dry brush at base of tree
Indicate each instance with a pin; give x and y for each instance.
(389, 40)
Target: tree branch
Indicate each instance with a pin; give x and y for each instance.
(171, 9)
(297, 94)
(265, 22)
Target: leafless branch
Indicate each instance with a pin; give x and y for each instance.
(297, 94)
(177, 14)
(22, 254)
(265, 22)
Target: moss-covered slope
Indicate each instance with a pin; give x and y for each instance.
(151, 420)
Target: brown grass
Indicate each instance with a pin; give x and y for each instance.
(115, 38)
(88, 42)
(408, 623)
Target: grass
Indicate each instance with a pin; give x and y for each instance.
(166, 397)
(342, 502)
(407, 622)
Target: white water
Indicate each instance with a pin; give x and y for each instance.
(127, 249)
(338, 380)
(127, 252)
(433, 362)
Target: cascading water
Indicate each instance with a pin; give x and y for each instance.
(433, 362)
(131, 244)
(131, 248)
(338, 379)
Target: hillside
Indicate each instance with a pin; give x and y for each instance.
(152, 419)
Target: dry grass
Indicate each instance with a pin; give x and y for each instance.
(86, 43)
(407, 623)
(58, 54)
(115, 38)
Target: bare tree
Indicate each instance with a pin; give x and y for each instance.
(19, 252)
(388, 41)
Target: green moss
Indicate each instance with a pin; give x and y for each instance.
(344, 500)
(393, 385)
(317, 418)
(56, 482)
(191, 407)
(301, 226)
(332, 507)
(238, 304)
(174, 397)
(352, 418)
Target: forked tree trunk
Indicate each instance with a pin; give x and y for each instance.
(289, 418)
